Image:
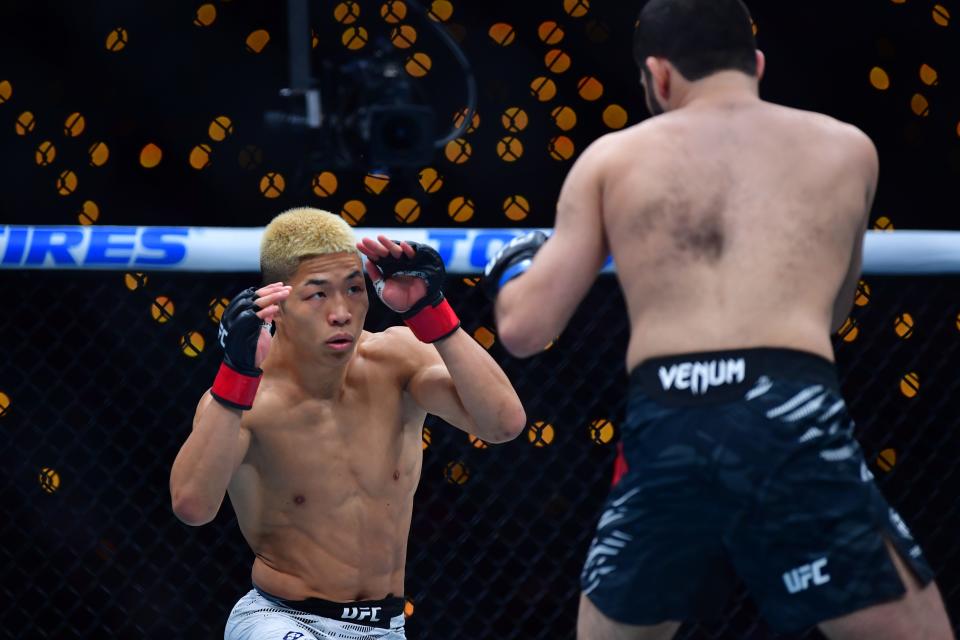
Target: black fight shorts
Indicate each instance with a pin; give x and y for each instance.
(742, 464)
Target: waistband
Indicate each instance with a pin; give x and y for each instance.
(369, 613)
(719, 376)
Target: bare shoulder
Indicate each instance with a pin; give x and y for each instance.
(394, 346)
(382, 344)
(860, 144)
(841, 134)
(611, 149)
(649, 131)
(594, 155)
(650, 134)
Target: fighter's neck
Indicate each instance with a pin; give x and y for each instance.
(316, 376)
(725, 87)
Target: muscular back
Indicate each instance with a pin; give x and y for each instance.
(735, 226)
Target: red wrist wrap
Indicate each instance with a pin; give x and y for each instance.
(234, 389)
(434, 323)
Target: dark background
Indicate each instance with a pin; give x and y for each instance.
(102, 392)
(173, 78)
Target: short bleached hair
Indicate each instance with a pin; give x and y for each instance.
(300, 233)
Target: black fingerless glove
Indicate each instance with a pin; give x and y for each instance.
(513, 259)
(238, 378)
(431, 318)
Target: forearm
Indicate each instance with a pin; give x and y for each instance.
(205, 464)
(483, 388)
(523, 327)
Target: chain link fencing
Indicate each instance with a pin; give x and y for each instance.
(103, 373)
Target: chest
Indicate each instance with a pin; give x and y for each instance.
(366, 439)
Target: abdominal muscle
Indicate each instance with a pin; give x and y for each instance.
(326, 513)
(353, 551)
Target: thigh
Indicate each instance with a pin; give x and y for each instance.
(813, 546)
(658, 554)
(593, 625)
(918, 615)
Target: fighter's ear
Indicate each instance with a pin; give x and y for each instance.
(761, 64)
(660, 75)
(277, 319)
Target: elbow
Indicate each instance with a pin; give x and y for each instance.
(512, 422)
(518, 341)
(191, 511)
(517, 422)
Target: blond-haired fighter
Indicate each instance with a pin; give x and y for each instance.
(736, 226)
(315, 433)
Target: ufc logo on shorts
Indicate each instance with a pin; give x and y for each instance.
(700, 376)
(361, 613)
(292, 635)
(799, 579)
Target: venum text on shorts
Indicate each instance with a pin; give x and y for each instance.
(698, 377)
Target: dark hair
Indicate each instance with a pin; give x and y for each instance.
(699, 37)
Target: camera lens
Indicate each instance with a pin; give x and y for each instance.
(401, 133)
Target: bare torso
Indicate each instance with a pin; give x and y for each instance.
(324, 496)
(732, 227)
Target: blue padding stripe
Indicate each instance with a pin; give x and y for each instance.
(514, 270)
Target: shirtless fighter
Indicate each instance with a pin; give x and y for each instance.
(320, 450)
(736, 227)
